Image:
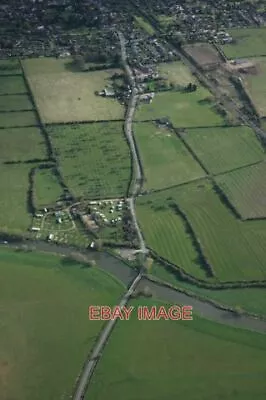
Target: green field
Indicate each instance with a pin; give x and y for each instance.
(21, 144)
(250, 300)
(14, 183)
(165, 233)
(255, 85)
(10, 67)
(226, 148)
(182, 109)
(44, 323)
(94, 159)
(144, 25)
(18, 119)
(235, 249)
(248, 43)
(194, 360)
(15, 103)
(176, 73)
(47, 189)
(246, 189)
(63, 95)
(166, 161)
(12, 85)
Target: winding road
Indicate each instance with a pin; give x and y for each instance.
(138, 177)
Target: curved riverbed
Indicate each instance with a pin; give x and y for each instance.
(126, 274)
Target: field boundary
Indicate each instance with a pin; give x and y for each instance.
(185, 276)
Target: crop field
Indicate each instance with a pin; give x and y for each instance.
(18, 119)
(176, 73)
(10, 67)
(199, 360)
(165, 159)
(223, 149)
(246, 189)
(21, 144)
(203, 53)
(247, 43)
(255, 84)
(94, 159)
(182, 109)
(19, 102)
(252, 300)
(235, 249)
(14, 185)
(67, 96)
(47, 189)
(44, 322)
(12, 85)
(165, 232)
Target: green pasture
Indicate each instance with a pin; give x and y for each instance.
(247, 43)
(12, 85)
(165, 233)
(182, 109)
(255, 85)
(144, 25)
(14, 183)
(166, 161)
(224, 148)
(252, 300)
(15, 102)
(195, 360)
(246, 189)
(63, 94)
(44, 302)
(18, 119)
(10, 67)
(236, 250)
(176, 73)
(22, 144)
(94, 159)
(47, 189)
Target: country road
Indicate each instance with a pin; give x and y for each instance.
(97, 350)
(138, 178)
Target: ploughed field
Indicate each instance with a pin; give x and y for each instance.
(44, 322)
(197, 359)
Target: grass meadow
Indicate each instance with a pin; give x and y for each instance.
(222, 149)
(14, 183)
(140, 22)
(176, 73)
(94, 159)
(247, 43)
(22, 144)
(246, 189)
(166, 161)
(18, 119)
(248, 299)
(12, 85)
(236, 250)
(256, 86)
(63, 95)
(165, 233)
(197, 359)
(10, 67)
(182, 109)
(16, 102)
(44, 322)
(47, 189)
